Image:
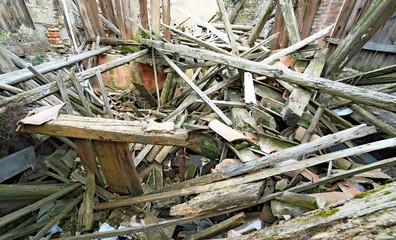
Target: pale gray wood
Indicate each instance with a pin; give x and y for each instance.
(366, 96)
(201, 94)
(24, 74)
(104, 94)
(16, 163)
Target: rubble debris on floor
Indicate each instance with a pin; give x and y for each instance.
(217, 133)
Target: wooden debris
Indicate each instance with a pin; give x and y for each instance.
(201, 147)
(207, 203)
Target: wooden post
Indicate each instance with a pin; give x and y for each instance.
(143, 13)
(290, 20)
(155, 17)
(166, 18)
(261, 21)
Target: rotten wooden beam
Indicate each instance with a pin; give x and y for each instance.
(110, 130)
(201, 94)
(18, 76)
(368, 97)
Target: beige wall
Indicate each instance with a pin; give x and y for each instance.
(204, 9)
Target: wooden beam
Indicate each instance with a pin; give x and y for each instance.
(364, 29)
(219, 228)
(263, 199)
(26, 210)
(50, 88)
(166, 18)
(368, 97)
(109, 130)
(290, 20)
(201, 94)
(236, 9)
(261, 21)
(155, 18)
(143, 13)
(299, 97)
(18, 76)
(201, 184)
(372, 46)
(228, 28)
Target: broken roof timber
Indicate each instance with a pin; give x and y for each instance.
(109, 130)
(357, 94)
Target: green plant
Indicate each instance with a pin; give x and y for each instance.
(4, 35)
(37, 59)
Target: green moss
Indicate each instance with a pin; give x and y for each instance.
(387, 192)
(368, 193)
(327, 213)
(209, 148)
(129, 49)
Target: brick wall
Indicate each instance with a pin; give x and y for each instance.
(327, 14)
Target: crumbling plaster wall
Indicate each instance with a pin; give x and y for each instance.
(48, 21)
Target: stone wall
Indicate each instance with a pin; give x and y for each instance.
(49, 22)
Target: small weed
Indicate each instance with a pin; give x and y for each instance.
(37, 59)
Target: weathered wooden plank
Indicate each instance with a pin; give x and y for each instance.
(386, 48)
(110, 165)
(110, 130)
(166, 18)
(57, 218)
(372, 20)
(236, 9)
(120, 20)
(309, 16)
(11, 192)
(16, 163)
(45, 90)
(197, 90)
(26, 210)
(24, 74)
(143, 13)
(195, 186)
(266, 198)
(88, 158)
(261, 21)
(228, 28)
(219, 228)
(368, 97)
(128, 170)
(210, 202)
(290, 20)
(155, 17)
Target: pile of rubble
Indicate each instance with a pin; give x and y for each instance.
(228, 137)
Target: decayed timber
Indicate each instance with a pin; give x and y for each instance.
(368, 97)
(24, 74)
(26, 210)
(361, 33)
(290, 20)
(50, 88)
(109, 130)
(261, 21)
(363, 218)
(219, 228)
(252, 177)
(197, 90)
(207, 203)
(299, 98)
(265, 198)
(293, 152)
